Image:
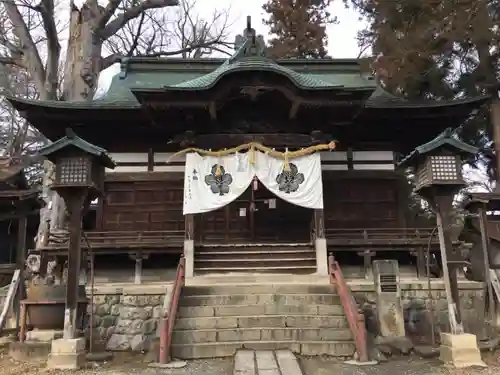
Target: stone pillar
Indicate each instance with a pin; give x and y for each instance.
(67, 354)
(189, 246)
(320, 243)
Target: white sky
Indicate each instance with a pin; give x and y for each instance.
(341, 37)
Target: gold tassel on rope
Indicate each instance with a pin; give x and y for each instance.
(286, 164)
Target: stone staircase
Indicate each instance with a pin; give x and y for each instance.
(216, 321)
(297, 259)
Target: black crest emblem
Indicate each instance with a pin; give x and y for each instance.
(219, 182)
(289, 181)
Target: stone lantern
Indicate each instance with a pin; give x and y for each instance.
(79, 178)
(437, 167)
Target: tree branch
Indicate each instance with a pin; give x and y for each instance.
(46, 9)
(31, 57)
(108, 13)
(114, 26)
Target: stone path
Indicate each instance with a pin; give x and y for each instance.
(266, 362)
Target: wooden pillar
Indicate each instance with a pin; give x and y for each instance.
(485, 244)
(21, 255)
(495, 122)
(444, 205)
(75, 207)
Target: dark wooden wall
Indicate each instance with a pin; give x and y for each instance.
(143, 206)
(157, 205)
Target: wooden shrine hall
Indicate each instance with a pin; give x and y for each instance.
(155, 108)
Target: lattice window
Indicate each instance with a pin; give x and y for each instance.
(74, 170)
(444, 168)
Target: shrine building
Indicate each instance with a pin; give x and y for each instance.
(348, 199)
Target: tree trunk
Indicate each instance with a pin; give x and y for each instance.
(81, 73)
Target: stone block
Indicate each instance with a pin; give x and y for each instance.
(460, 350)
(244, 363)
(29, 351)
(68, 346)
(73, 361)
(327, 348)
(261, 321)
(206, 323)
(464, 340)
(240, 310)
(215, 350)
(195, 336)
(234, 335)
(43, 335)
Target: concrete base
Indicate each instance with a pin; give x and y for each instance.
(189, 256)
(460, 351)
(29, 351)
(321, 256)
(44, 335)
(67, 354)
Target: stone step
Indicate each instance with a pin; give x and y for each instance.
(262, 321)
(302, 269)
(262, 261)
(200, 336)
(252, 288)
(228, 349)
(256, 254)
(261, 309)
(255, 299)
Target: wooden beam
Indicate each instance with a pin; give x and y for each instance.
(21, 255)
(219, 141)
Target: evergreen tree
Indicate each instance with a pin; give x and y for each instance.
(298, 27)
(437, 49)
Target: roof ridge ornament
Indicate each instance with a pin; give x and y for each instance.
(248, 44)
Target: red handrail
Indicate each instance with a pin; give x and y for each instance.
(355, 319)
(168, 322)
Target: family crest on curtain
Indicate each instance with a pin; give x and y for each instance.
(212, 182)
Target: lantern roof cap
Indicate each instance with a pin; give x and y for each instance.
(71, 140)
(444, 140)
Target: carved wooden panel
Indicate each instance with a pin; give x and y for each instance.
(361, 203)
(143, 206)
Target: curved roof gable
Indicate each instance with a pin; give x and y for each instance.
(253, 63)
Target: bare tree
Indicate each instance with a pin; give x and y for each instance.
(31, 38)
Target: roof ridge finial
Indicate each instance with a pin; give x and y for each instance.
(70, 133)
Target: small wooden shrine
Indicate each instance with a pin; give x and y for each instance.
(19, 208)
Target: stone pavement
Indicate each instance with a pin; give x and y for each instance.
(266, 362)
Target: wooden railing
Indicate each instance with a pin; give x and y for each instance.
(168, 323)
(379, 237)
(355, 319)
(121, 239)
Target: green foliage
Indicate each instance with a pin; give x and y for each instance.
(298, 27)
(440, 49)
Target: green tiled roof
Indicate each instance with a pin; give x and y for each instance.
(254, 63)
(72, 140)
(446, 138)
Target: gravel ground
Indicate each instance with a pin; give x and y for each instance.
(127, 365)
(120, 365)
(402, 366)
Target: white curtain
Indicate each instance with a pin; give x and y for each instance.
(302, 185)
(205, 191)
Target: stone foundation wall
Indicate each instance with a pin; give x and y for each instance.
(128, 318)
(415, 294)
